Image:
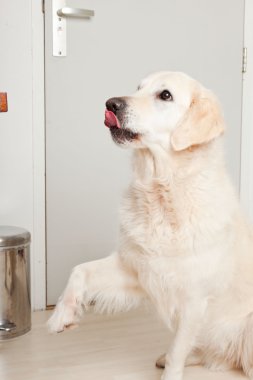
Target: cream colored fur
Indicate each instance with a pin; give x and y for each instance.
(184, 243)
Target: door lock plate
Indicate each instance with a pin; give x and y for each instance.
(59, 29)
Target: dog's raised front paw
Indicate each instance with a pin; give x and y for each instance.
(63, 317)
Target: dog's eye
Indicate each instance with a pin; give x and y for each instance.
(165, 95)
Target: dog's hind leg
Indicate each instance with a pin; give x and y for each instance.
(107, 284)
(245, 347)
(230, 345)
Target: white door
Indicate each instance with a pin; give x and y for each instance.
(107, 56)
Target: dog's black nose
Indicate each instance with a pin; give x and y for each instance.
(115, 104)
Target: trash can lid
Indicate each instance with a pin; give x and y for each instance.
(11, 236)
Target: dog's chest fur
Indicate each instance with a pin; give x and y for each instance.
(175, 220)
(167, 248)
(151, 217)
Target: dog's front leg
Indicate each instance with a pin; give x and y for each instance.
(184, 339)
(106, 283)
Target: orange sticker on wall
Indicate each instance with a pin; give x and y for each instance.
(3, 102)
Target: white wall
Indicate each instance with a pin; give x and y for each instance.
(21, 126)
(16, 190)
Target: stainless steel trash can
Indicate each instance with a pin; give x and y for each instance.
(15, 305)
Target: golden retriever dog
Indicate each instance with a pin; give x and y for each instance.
(184, 243)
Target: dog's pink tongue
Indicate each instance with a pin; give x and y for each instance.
(111, 119)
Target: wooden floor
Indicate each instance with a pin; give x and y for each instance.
(122, 347)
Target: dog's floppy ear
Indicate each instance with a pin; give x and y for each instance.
(202, 123)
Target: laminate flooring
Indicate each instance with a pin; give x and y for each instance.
(119, 347)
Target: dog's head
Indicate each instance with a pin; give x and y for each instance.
(168, 108)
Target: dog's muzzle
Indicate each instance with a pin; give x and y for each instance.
(114, 119)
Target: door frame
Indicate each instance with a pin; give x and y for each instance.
(246, 182)
(38, 256)
(38, 263)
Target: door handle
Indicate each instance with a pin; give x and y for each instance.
(75, 12)
(60, 13)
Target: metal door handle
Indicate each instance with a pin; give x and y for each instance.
(60, 13)
(75, 12)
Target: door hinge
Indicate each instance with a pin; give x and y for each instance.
(244, 60)
(43, 6)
